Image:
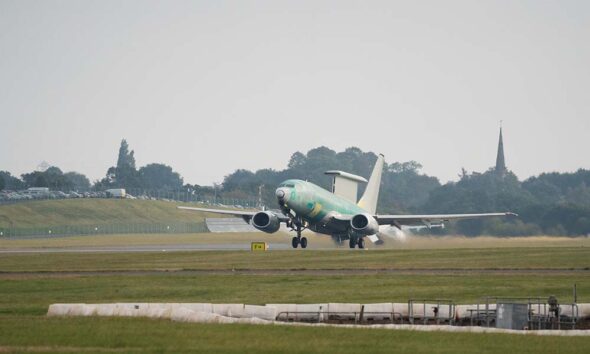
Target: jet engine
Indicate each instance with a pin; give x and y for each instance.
(266, 221)
(364, 224)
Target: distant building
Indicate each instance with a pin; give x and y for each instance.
(500, 162)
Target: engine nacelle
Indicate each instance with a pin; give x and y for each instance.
(266, 221)
(364, 224)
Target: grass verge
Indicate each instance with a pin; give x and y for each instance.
(24, 334)
(468, 259)
(32, 295)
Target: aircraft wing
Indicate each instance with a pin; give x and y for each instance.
(246, 215)
(433, 220)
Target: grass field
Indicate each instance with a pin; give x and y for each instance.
(451, 267)
(152, 336)
(31, 295)
(462, 258)
(50, 213)
(26, 296)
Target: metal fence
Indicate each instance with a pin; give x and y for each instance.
(104, 229)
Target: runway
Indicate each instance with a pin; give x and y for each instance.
(143, 248)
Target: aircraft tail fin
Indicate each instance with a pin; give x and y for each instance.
(369, 199)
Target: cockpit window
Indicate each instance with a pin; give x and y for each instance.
(288, 185)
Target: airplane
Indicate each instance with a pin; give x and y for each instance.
(304, 205)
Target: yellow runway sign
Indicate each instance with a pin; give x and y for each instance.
(259, 246)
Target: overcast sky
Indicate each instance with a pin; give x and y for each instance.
(211, 86)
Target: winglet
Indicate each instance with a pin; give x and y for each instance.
(369, 199)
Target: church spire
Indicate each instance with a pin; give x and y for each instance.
(500, 163)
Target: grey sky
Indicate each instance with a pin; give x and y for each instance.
(211, 86)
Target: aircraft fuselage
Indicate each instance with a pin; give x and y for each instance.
(315, 205)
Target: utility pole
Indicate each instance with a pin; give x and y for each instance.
(260, 187)
(214, 193)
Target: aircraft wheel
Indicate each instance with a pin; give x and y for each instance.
(295, 242)
(351, 242)
(361, 242)
(303, 242)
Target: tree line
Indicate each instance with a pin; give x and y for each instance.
(124, 174)
(551, 203)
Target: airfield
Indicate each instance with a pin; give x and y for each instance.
(216, 268)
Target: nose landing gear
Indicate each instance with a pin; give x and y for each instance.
(298, 240)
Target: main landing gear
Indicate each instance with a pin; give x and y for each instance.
(356, 241)
(298, 240)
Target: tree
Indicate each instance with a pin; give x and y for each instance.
(241, 180)
(404, 188)
(124, 175)
(297, 160)
(52, 178)
(77, 180)
(35, 179)
(2, 183)
(159, 176)
(126, 159)
(11, 182)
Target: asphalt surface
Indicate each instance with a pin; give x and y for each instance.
(143, 248)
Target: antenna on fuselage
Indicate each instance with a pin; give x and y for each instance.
(345, 184)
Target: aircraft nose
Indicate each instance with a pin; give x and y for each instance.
(282, 194)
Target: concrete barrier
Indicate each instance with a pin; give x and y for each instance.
(379, 312)
(186, 312)
(157, 310)
(584, 310)
(310, 312)
(105, 310)
(262, 312)
(427, 310)
(285, 312)
(229, 310)
(126, 309)
(183, 314)
(401, 307)
(198, 307)
(343, 311)
(72, 310)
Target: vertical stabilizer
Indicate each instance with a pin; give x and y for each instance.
(369, 199)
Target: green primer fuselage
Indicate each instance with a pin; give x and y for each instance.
(316, 205)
